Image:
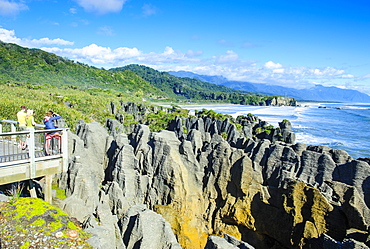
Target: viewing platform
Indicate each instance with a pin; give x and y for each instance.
(36, 159)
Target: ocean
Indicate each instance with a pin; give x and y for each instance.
(344, 126)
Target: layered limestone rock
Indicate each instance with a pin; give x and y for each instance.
(261, 191)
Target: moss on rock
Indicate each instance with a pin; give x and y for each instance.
(34, 223)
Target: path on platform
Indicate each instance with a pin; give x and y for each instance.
(10, 152)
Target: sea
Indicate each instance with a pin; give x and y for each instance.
(344, 126)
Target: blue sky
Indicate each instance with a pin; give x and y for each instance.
(289, 43)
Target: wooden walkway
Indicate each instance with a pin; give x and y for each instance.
(18, 165)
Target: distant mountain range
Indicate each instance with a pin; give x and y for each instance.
(316, 93)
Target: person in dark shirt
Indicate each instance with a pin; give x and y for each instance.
(49, 124)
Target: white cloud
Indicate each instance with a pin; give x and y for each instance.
(101, 6)
(348, 76)
(272, 65)
(9, 36)
(107, 57)
(328, 71)
(168, 51)
(278, 70)
(96, 55)
(11, 8)
(47, 41)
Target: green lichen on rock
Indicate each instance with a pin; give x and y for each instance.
(34, 223)
(60, 193)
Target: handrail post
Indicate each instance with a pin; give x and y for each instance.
(31, 152)
(1, 127)
(65, 150)
(48, 197)
(13, 129)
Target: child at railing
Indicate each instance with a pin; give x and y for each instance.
(30, 121)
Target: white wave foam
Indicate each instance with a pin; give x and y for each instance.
(301, 127)
(309, 139)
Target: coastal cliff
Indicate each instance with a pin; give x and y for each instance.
(209, 183)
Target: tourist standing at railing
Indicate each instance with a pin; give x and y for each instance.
(30, 121)
(49, 124)
(21, 117)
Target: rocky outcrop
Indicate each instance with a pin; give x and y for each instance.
(227, 242)
(206, 177)
(282, 101)
(143, 228)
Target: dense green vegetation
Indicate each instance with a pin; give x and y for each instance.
(161, 120)
(75, 104)
(186, 89)
(72, 104)
(34, 68)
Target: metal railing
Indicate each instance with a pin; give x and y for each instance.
(20, 145)
(11, 126)
(31, 145)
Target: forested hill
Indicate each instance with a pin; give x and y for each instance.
(175, 85)
(194, 89)
(35, 68)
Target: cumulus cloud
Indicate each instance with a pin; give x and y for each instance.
(107, 57)
(329, 71)
(96, 54)
(11, 8)
(348, 76)
(276, 73)
(9, 36)
(272, 65)
(278, 70)
(101, 6)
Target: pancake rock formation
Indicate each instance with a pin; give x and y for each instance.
(206, 183)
